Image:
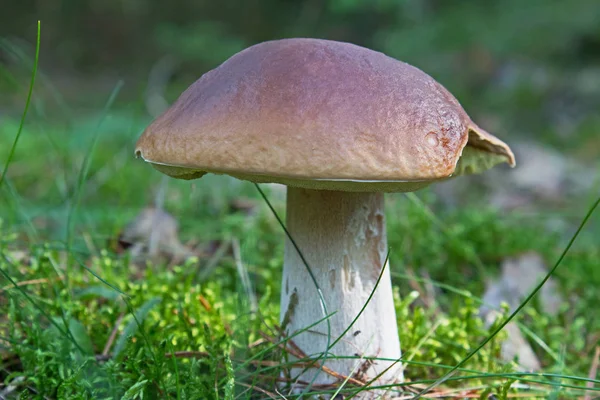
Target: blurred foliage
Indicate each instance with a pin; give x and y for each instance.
(94, 33)
(534, 62)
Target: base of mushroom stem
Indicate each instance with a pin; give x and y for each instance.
(342, 387)
(343, 239)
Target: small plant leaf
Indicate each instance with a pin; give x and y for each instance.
(132, 326)
(99, 291)
(81, 336)
(136, 391)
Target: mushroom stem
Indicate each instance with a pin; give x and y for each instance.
(342, 236)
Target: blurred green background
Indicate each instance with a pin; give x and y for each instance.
(520, 67)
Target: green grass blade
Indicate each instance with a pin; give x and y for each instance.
(277, 344)
(518, 309)
(177, 378)
(467, 251)
(83, 172)
(312, 277)
(13, 197)
(27, 103)
(66, 332)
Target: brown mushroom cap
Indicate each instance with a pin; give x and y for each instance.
(319, 114)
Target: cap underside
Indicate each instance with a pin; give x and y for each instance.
(472, 161)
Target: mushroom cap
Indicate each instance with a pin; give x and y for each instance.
(319, 114)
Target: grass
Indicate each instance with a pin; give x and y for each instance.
(81, 319)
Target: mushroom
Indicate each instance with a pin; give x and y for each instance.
(339, 125)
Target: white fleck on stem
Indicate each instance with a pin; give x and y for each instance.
(342, 236)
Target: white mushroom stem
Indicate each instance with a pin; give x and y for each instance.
(342, 236)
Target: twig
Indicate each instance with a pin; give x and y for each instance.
(457, 394)
(188, 354)
(592, 373)
(414, 285)
(257, 343)
(294, 350)
(320, 386)
(205, 303)
(281, 395)
(178, 354)
(31, 282)
(112, 336)
(258, 389)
